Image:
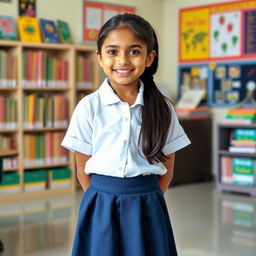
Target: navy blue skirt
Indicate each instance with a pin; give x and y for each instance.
(123, 217)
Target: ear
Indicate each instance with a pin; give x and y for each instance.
(99, 59)
(150, 58)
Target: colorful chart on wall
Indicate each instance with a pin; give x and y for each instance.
(95, 14)
(223, 31)
(194, 34)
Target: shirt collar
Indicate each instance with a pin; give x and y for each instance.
(109, 97)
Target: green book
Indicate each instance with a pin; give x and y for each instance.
(64, 31)
(11, 178)
(34, 176)
(243, 171)
(245, 134)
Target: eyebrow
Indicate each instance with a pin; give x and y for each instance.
(116, 46)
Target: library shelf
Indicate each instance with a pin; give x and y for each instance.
(33, 61)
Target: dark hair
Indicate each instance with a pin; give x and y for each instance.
(156, 113)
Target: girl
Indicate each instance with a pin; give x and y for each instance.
(124, 136)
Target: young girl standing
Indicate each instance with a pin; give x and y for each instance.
(125, 136)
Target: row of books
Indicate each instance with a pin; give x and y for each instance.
(44, 149)
(8, 69)
(45, 110)
(84, 72)
(8, 112)
(41, 69)
(240, 171)
(241, 116)
(36, 180)
(243, 141)
(238, 214)
(30, 30)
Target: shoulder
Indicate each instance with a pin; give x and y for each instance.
(89, 101)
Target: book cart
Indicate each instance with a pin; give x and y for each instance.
(40, 85)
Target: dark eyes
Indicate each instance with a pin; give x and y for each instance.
(115, 52)
(112, 52)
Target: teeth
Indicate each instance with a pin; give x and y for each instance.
(122, 71)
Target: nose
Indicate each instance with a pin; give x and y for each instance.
(123, 59)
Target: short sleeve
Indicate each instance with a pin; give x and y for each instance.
(177, 138)
(79, 133)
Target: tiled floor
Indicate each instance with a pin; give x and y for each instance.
(205, 223)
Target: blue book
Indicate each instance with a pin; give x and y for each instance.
(7, 28)
(49, 31)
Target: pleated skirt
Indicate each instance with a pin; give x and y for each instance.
(123, 217)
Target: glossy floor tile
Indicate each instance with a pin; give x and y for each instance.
(205, 223)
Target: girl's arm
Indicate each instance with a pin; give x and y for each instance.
(84, 179)
(166, 179)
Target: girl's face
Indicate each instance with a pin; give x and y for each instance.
(124, 57)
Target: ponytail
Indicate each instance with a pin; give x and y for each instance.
(156, 115)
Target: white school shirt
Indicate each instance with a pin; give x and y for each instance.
(108, 129)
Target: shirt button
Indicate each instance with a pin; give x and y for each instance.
(126, 119)
(120, 168)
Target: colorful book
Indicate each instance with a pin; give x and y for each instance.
(64, 31)
(243, 171)
(49, 31)
(7, 28)
(29, 29)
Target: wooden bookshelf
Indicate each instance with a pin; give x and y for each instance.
(28, 83)
(224, 136)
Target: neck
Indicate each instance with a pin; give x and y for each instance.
(126, 93)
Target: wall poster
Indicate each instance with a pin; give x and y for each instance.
(95, 14)
(223, 31)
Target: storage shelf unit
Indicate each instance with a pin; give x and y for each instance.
(224, 134)
(64, 52)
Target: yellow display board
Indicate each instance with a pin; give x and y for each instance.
(222, 31)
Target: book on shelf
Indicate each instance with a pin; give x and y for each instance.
(49, 31)
(8, 112)
(29, 30)
(249, 150)
(84, 73)
(59, 177)
(239, 171)
(10, 183)
(8, 70)
(243, 141)
(64, 31)
(34, 180)
(240, 116)
(45, 110)
(40, 149)
(41, 69)
(7, 28)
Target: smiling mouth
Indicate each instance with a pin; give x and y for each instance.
(123, 71)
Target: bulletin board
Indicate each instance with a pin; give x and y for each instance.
(218, 32)
(219, 38)
(95, 14)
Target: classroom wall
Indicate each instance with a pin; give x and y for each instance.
(170, 49)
